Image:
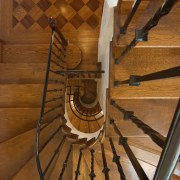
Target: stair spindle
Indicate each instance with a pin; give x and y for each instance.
(92, 174)
(106, 169)
(154, 135)
(123, 141)
(77, 172)
(116, 159)
(65, 163)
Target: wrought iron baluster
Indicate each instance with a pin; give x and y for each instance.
(54, 155)
(77, 172)
(45, 91)
(59, 41)
(130, 16)
(116, 159)
(54, 90)
(136, 80)
(57, 64)
(54, 72)
(126, 50)
(154, 135)
(51, 121)
(56, 81)
(141, 35)
(59, 49)
(54, 99)
(51, 137)
(92, 174)
(65, 162)
(123, 141)
(58, 57)
(52, 109)
(53, 26)
(106, 169)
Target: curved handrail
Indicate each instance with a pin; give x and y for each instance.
(55, 35)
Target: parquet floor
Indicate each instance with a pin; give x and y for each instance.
(69, 14)
(26, 22)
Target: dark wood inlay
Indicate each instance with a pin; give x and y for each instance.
(43, 21)
(27, 21)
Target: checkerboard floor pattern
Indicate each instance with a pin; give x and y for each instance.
(69, 14)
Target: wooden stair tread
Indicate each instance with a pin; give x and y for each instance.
(142, 61)
(159, 89)
(157, 113)
(161, 34)
(16, 152)
(32, 53)
(30, 169)
(26, 95)
(19, 120)
(22, 73)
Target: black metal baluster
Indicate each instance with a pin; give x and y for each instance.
(126, 50)
(64, 43)
(54, 90)
(135, 80)
(154, 135)
(56, 81)
(58, 48)
(52, 109)
(92, 174)
(77, 172)
(55, 153)
(59, 41)
(106, 169)
(65, 162)
(54, 27)
(58, 57)
(141, 35)
(54, 99)
(130, 16)
(116, 159)
(51, 121)
(54, 72)
(123, 141)
(57, 64)
(51, 137)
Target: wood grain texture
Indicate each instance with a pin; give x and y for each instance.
(163, 89)
(1, 51)
(22, 73)
(16, 152)
(162, 34)
(26, 95)
(59, 164)
(73, 56)
(157, 114)
(15, 121)
(142, 61)
(30, 170)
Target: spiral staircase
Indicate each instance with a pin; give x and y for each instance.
(63, 123)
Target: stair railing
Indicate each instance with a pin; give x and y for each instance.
(56, 61)
(170, 144)
(135, 80)
(141, 35)
(130, 16)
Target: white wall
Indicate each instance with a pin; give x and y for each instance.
(112, 3)
(106, 34)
